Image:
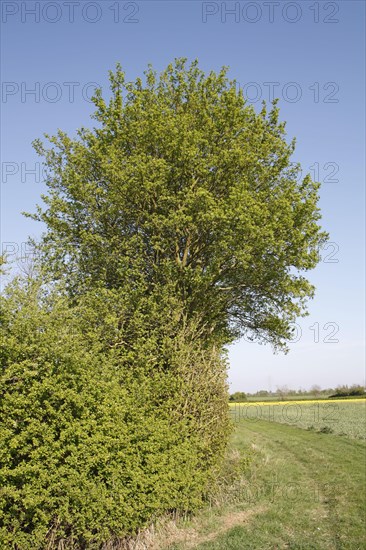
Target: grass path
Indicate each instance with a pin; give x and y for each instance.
(304, 490)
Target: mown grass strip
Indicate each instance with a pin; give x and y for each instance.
(307, 490)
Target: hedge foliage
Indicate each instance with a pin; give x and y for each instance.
(99, 439)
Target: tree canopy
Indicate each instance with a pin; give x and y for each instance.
(183, 185)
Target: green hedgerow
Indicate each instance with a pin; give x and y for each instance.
(95, 444)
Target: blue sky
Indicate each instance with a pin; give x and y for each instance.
(309, 54)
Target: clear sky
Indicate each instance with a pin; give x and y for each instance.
(309, 54)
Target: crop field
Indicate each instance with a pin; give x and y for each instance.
(341, 417)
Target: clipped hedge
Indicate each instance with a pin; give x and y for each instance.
(96, 444)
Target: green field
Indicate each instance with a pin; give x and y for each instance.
(302, 489)
(342, 417)
(252, 398)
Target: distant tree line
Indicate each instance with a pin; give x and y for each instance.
(349, 391)
(283, 392)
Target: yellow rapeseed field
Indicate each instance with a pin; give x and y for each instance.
(300, 401)
(346, 417)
